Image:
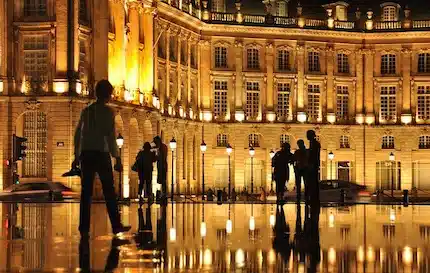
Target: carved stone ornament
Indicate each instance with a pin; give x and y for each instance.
(424, 131)
(346, 130)
(269, 45)
(204, 43)
(389, 51)
(255, 129)
(238, 44)
(388, 132)
(222, 43)
(344, 51)
(300, 48)
(286, 128)
(284, 47)
(406, 51)
(253, 45)
(314, 49)
(32, 105)
(367, 51)
(424, 50)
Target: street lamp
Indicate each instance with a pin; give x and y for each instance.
(392, 158)
(331, 157)
(229, 151)
(271, 154)
(203, 148)
(120, 143)
(173, 148)
(252, 153)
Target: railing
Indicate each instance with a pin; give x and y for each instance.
(315, 23)
(421, 24)
(344, 25)
(388, 25)
(254, 19)
(223, 17)
(285, 21)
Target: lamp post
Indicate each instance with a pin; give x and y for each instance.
(120, 143)
(331, 157)
(173, 148)
(203, 148)
(252, 153)
(392, 158)
(271, 154)
(229, 151)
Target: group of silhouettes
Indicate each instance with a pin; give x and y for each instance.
(306, 163)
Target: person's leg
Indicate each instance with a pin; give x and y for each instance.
(106, 177)
(87, 181)
(298, 184)
(148, 186)
(141, 182)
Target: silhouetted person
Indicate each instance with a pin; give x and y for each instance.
(210, 194)
(281, 169)
(145, 159)
(233, 195)
(161, 165)
(313, 166)
(299, 239)
(95, 143)
(162, 233)
(144, 237)
(311, 233)
(300, 168)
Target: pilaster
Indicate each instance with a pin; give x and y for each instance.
(300, 77)
(406, 74)
(269, 80)
(368, 81)
(359, 90)
(148, 52)
(205, 66)
(330, 79)
(239, 78)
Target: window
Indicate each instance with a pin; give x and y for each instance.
(253, 58)
(35, 130)
(184, 53)
(344, 142)
(252, 100)
(387, 142)
(342, 103)
(283, 60)
(220, 99)
(423, 102)
(35, 7)
(254, 140)
(221, 140)
(160, 46)
(388, 103)
(314, 61)
(172, 47)
(388, 64)
(220, 57)
(281, 9)
(83, 12)
(424, 142)
(36, 59)
(389, 13)
(283, 104)
(424, 63)
(218, 6)
(284, 139)
(342, 63)
(83, 65)
(193, 56)
(313, 102)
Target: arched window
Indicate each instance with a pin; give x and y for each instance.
(424, 142)
(387, 142)
(36, 132)
(284, 139)
(344, 142)
(254, 140)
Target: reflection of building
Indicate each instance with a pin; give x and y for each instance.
(254, 77)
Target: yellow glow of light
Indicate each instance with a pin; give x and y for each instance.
(228, 258)
(381, 254)
(370, 254)
(301, 117)
(181, 112)
(182, 260)
(271, 256)
(207, 115)
(240, 258)
(330, 22)
(301, 22)
(370, 120)
(272, 220)
(331, 117)
(141, 98)
(229, 226)
(239, 116)
(79, 88)
(260, 258)
(191, 113)
(359, 118)
(392, 216)
(360, 254)
(172, 234)
(406, 119)
(331, 220)
(61, 87)
(126, 188)
(407, 255)
(252, 223)
(207, 257)
(203, 229)
(170, 109)
(369, 24)
(24, 85)
(1, 87)
(271, 117)
(127, 95)
(332, 256)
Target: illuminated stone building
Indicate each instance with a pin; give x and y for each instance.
(248, 74)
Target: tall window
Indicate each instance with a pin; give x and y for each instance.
(83, 12)
(35, 7)
(389, 13)
(281, 8)
(313, 102)
(253, 58)
(220, 99)
(36, 58)
(254, 140)
(424, 142)
(193, 56)
(342, 102)
(283, 60)
(184, 52)
(221, 140)
(423, 102)
(344, 142)
(388, 103)
(161, 45)
(284, 139)
(36, 132)
(252, 100)
(172, 46)
(283, 104)
(314, 61)
(424, 62)
(83, 65)
(220, 57)
(388, 64)
(218, 6)
(342, 63)
(387, 142)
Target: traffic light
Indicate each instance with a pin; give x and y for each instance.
(19, 148)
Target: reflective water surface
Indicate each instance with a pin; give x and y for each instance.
(218, 238)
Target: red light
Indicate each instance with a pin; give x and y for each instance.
(7, 162)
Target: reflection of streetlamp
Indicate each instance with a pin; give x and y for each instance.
(229, 223)
(203, 148)
(271, 154)
(120, 143)
(252, 219)
(173, 148)
(392, 158)
(331, 157)
(203, 223)
(272, 219)
(252, 153)
(172, 229)
(229, 151)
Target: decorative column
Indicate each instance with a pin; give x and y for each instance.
(369, 85)
(239, 113)
(167, 47)
(148, 53)
(300, 81)
(359, 90)
(132, 61)
(406, 117)
(180, 96)
(189, 96)
(331, 92)
(270, 115)
(205, 84)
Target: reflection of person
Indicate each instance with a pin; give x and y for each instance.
(300, 168)
(281, 169)
(144, 237)
(145, 159)
(95, 143)
(281, 242)
(313, 166)
(161, 164)
(311, 232)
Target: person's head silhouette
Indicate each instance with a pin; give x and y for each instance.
(301, 144)
(310, 134)
(104, 90)
(157, 140)
(286, 146)
(147, 147)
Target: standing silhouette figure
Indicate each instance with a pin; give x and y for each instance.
(301, 168)
(144, 161)
(281, 170)
(313, 167)
(161, 164)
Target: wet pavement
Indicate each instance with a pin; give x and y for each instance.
(187, 237)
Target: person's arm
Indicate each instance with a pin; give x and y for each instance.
(77, 139)
(113, 148)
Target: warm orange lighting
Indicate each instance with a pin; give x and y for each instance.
(1, 87)
(332, 256)
(207, 257)
(370, 254)
(239, 116)
(360, 254)
(240, 258)
(207, 115)
(406, 119)
(407, 255)
(301, 117)
(271, 116)
(331, 117)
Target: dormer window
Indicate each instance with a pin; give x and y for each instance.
(341, 13)
(281, 8)
(390, 11)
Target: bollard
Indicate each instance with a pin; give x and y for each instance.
(219, 196)
(405, 197)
